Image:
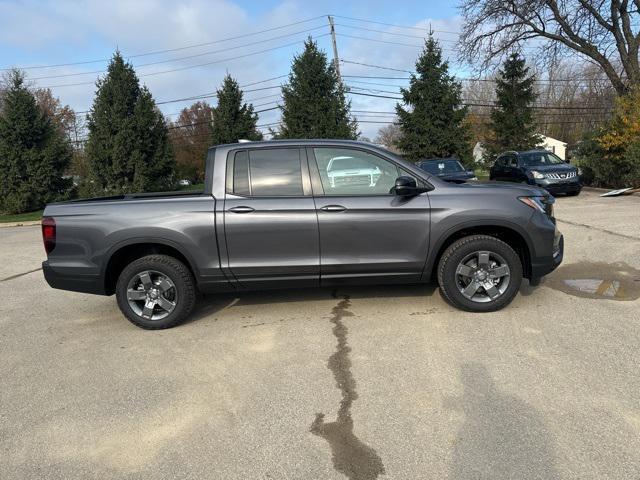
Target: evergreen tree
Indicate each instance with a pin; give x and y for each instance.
(33, 152)
(433, 125)
(128, 147)
(232, 119)
(314, 99)
(512, 120)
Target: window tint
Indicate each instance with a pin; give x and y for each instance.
(241, 174)
(501, 161)
(272, 172)
(512, 161)
(344, 171)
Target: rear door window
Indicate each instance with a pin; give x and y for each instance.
(270, 172)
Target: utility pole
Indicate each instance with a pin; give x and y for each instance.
(336, 59)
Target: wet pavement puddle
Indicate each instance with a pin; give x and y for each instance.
(350, 456)
(606, 281)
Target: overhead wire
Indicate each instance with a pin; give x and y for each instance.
(170, 50)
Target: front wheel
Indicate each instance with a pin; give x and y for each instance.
(156, 292)
(479, 273)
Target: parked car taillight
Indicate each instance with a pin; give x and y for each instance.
(49, 233)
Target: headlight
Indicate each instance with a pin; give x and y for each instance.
(579, 171)
(534, 202)
(537, 175)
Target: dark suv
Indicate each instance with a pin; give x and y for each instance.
(447, 169)
(537, 167)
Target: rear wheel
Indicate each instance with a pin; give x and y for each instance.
(479, 273)
(573, 194)
(156, 292)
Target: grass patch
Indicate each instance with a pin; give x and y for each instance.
(21, 217)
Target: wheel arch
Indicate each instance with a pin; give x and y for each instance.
(509, 233)
(124, 253)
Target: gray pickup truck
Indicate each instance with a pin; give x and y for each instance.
(273, 215)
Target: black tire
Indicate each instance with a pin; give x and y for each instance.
(461, 249)
(183, 284)
(573, 194)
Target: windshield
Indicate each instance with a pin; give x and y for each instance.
(436, 167)
(538, 159)
(349, 163)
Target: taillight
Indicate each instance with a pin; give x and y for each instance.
(49, 233)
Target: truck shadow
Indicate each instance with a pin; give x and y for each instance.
(212, 304)
(502, 437)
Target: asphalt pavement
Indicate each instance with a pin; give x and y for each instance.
(359, 383)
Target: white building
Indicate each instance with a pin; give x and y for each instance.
(553, 145)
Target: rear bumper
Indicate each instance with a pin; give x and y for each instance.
(65, 278)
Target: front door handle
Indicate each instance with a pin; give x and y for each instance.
(333, 208)
(242, 209)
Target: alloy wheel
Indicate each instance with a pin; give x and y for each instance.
(152, 295)
(482, 276)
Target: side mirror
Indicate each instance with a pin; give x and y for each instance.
(406, 187)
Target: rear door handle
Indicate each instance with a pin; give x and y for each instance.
(333, 208)
(241, 209)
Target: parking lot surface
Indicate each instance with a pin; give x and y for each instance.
(358, 383)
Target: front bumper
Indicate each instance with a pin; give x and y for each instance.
(541, 266)
(560, 186)
(67, 278)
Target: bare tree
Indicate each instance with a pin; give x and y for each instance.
(389, 136)
(61, 115)
(189, 135)
(606, 33)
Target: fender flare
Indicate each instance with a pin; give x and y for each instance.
(142, 240)
(436, 246)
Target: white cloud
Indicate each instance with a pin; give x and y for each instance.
(144, 25)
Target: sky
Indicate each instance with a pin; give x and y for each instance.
(209, 38)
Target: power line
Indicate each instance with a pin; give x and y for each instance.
(157, 52)
(465, 79)
(389, 113)
(474, 104)
(211, 52)
(375, 66)
(421, 29)
(196, 66)
(387, 42)
(212, 94)
(204, 96)
(390, 33)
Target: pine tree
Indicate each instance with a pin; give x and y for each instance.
(433, 124)
(314, 99)
(232, 119)
(128, 147)
(33, 152)
(512, 121)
